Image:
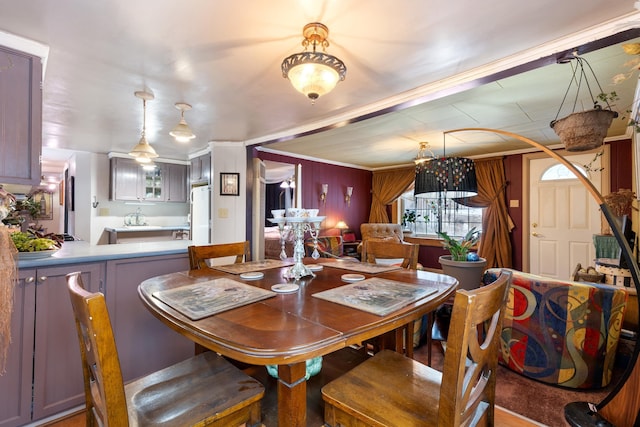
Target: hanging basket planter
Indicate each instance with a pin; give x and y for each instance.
(584, 130)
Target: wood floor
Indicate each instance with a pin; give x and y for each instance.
(333, 365)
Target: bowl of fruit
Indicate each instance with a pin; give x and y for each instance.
(34, 245)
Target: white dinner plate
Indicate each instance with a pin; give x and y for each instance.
(314, 267)
(285, 287)
(352, 277)
(252, 275)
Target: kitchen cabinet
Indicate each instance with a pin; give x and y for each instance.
(175, 182)
(145, 344)
(20, 117)
(130, 182)
(201, 169)
(44, 371)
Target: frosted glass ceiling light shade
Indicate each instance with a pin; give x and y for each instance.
(314, 73)
(182, 132)
(143, 152)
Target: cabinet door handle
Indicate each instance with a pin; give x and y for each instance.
(42, 279)
(29, 279)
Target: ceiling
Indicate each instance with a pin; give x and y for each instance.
(413, 72)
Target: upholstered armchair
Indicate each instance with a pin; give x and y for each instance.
(561, 332)
(380, 231)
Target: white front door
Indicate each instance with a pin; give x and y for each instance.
(563, 217)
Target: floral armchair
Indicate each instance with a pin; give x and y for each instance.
(559, 331)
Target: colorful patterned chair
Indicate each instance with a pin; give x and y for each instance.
(561, 332)
(328, 247)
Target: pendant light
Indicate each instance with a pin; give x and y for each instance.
(314, 73)
(143, 152)
(446, 177)
(182, 132)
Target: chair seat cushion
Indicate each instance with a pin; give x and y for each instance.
(184, 393)
(373, 387)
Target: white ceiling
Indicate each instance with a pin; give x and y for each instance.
(421, 60)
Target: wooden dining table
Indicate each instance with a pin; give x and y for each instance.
(287, 329)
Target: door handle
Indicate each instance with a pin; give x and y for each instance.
(534, 234)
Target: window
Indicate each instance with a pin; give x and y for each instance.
(433, 215)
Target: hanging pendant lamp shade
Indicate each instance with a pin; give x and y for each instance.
(182, 132)
(314, 73)
(448, 177)
(143, 152)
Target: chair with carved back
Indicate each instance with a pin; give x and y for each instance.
(198, 255)
(372, 250)
(407, 256)
(390, 389)
(204, 390)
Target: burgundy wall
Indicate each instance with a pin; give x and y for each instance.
(314, 174)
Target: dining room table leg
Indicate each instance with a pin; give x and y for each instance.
(292, 395)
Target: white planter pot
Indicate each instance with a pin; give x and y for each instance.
(468, 273)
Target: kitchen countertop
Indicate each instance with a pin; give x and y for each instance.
(139, 228)
(81, 252)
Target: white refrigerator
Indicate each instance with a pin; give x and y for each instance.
(200, 215)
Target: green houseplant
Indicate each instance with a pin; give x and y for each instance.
(468, 273)
(459, 249)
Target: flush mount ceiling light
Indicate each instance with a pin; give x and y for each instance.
(182, 132)
(314, 73)
(143, 152)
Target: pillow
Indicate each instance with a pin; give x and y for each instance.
(349, 237)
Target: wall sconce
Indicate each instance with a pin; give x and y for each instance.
(323, 195)
(347, 197)
(95, 202)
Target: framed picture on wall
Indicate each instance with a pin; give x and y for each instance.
(229, 184)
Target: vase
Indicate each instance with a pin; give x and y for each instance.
(584, 130)
(468, 273)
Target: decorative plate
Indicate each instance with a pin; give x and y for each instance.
(352, 277)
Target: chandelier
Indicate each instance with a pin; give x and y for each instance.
(422, 154)
(314, 73)
(143, 152)
(444, 177)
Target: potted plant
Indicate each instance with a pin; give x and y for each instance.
(409, 220)
(462, 264)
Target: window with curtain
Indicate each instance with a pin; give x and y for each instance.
(433, 215)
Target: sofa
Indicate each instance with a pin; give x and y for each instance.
(560, 332)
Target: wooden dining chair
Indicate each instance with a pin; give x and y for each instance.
(373, 250)
(198, 255)
(390, 389)
(205, 390)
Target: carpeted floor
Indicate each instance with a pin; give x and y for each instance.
(535, 400)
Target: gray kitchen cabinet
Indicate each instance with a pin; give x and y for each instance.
(44, 371)
(145, 344)
(201, 169)
(175, 182)
(130, 182)
(125, 179)
(20, 117)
